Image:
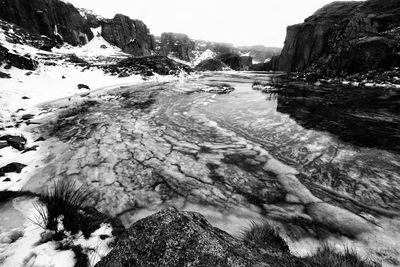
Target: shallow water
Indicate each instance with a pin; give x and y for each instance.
(233, 157)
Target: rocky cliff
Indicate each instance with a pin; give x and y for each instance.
(344, 38)
(63, 22)
(52, 18)
(131, 35)
(178, 45)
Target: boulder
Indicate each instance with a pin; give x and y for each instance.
(4, 75)
(12, 167)
(17, 142)
(173, 238)
(83, 86)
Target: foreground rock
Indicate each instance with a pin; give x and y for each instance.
(173, 238)
(344, 37)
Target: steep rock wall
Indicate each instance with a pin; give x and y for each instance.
(47, 17)
(132, 36)
(344, 37)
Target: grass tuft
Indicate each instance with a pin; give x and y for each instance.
(64, 200)
(264, 235)
(266, 239)
(326, 256)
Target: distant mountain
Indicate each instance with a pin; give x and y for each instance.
(181, 47)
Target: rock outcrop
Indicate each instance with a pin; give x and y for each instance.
(16, 60)
(173, 238)
(147, 66)
(178, 45)
(211, 65)
(131, 35)
(61, 21)
(52, 18)
(344, 38)
(236, 62)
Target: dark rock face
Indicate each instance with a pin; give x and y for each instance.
(246, 62)
(338, 36)
(47, 17)
(16, 60)
(18, 35)
(177, 45)
(132, 36)
(172, 238)
(236, 62)
(211, 65)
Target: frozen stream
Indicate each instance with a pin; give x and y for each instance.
(232, 157)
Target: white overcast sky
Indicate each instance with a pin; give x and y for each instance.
(244, 22)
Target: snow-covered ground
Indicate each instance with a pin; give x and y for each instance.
(96, 50)
(205, 55)
(23, 94)
(26, 245)
(26, 90)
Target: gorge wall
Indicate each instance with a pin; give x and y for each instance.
(64, 22)
(131, 35)
(344, 38)
(47, 17)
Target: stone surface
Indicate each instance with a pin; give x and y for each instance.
(172, 238)
(132, 36)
